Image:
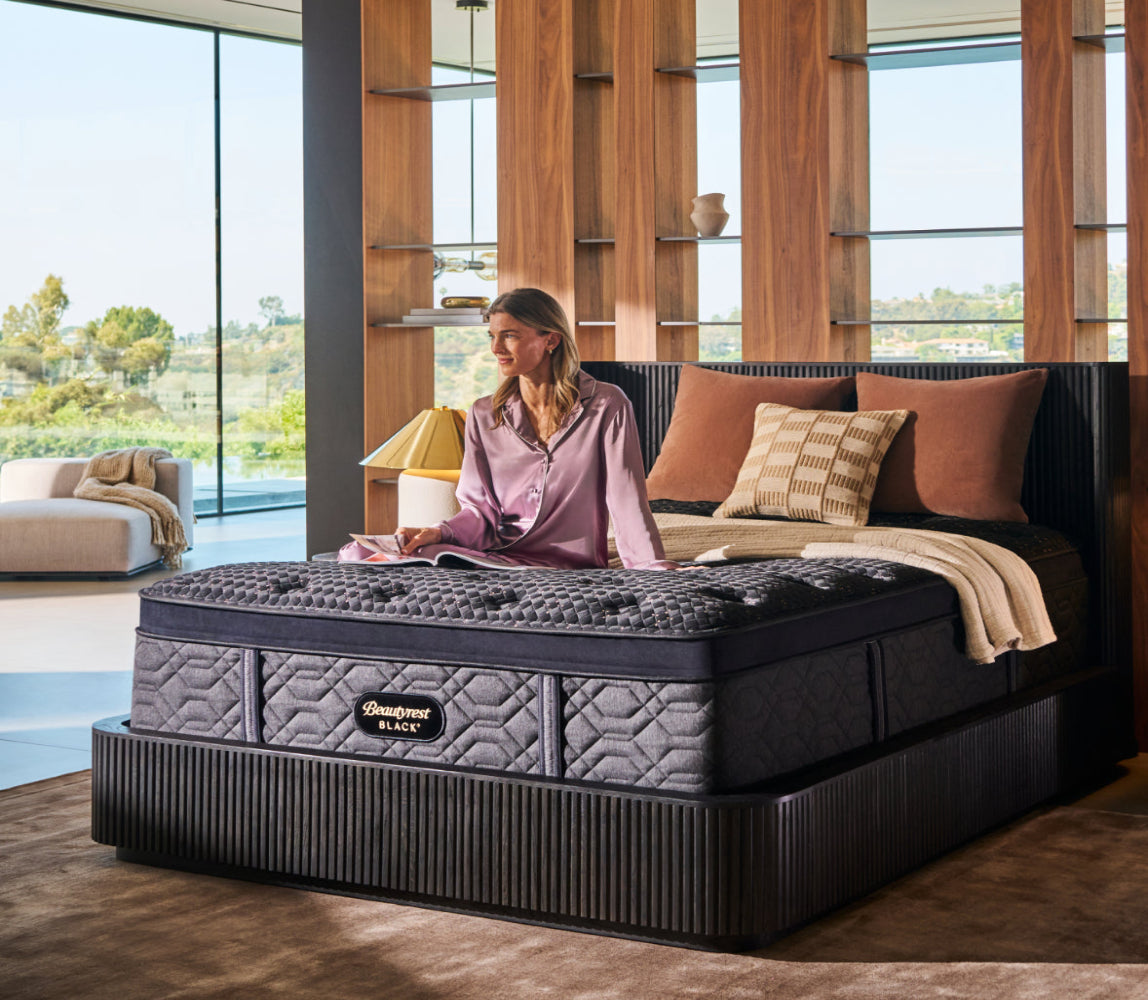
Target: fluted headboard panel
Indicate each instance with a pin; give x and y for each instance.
(1076, 472)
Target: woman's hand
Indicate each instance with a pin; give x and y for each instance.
(410, 539)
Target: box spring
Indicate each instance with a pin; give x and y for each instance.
(721, 872)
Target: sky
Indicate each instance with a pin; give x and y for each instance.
(106, 171)
(107, 167)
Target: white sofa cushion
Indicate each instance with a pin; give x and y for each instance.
(63, 535)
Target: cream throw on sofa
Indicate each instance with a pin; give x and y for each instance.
(127, 476)
(1002, 606)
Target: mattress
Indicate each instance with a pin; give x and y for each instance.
(714, 680)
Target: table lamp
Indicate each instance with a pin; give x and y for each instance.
(432, 440)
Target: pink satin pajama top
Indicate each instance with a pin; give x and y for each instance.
(550, 506)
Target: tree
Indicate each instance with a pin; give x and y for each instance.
(133, 340)
(271, 306)
(30, 336)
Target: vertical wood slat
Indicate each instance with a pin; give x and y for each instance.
(655, 129)
(594, 179)
(398, 365)
(848, 92)
(1136, 97)
(784, 179)
(635, 333)
(675, 178)
(534, 87)
(1089, 177)
(1049, 255)
(1065, 270)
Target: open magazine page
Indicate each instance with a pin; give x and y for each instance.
(385, 549)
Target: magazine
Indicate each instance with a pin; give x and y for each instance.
(385, 549)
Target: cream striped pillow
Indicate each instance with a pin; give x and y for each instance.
(812, 465)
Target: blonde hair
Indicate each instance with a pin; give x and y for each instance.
(542, 312)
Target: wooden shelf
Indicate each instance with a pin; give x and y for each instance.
(931, 234)
(441, 92)
(669, 239)
(934, 55)
(924, 322)
(434, 246)
(711, 73)
(698, 239)
(1113, 42)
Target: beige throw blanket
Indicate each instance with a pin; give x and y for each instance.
(1001, 602)
(127, 476)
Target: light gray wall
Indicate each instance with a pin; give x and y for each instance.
(333, 270)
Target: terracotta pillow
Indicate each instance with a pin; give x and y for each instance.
(961, 452)
(712, 427)
(812, 465)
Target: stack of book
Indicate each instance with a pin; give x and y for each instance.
(445, 317)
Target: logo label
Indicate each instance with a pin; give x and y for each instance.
(399, 716)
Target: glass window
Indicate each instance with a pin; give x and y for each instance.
(1115, 132)
(107, 271)
(261, 153)
(719, 265)
(465, 204)
(945, 154)
(961, 285)
(719, 301)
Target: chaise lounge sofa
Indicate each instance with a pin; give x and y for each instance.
(45, 531)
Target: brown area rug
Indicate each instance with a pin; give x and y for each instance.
(1054, 906)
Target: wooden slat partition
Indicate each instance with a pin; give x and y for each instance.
(849, 289)
(534, 85)
(1065, 269)
(1089, 178)
(675, 178)
(398, 364)
(1136, 96)
(784, 180)
(636, 333)
(655, 129)
(594, 197)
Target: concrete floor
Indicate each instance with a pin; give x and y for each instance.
(66, 646)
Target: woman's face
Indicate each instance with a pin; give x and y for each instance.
(520, 349)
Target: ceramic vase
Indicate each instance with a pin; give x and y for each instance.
(709, 215)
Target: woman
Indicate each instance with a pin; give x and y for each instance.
(550, 457)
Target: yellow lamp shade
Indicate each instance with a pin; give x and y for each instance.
(433, 440)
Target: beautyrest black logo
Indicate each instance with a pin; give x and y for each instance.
(399, 716)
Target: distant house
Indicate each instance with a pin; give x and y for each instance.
(965, 348)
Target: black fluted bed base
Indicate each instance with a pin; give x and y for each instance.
(723, 872)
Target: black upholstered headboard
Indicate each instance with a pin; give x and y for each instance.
(1076, 472)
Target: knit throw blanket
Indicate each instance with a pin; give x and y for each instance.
(127, 476)
(1002, 606)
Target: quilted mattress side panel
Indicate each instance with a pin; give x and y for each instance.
(188, 687)
(491, 715)
(643, 733)
(710, 737)
(928, 677)
(795, 713)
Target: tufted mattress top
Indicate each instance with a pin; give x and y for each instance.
(605, 622)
